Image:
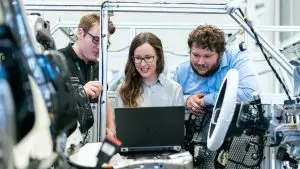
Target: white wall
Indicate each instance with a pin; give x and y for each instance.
(263, 16)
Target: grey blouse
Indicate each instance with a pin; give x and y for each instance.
(165, 92)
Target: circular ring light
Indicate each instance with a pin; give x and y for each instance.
(223, 110)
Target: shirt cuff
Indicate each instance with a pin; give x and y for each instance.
(185, 97)
(209, 99)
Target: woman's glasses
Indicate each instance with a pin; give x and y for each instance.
(139, 59)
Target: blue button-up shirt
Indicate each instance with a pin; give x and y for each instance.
(231, 59)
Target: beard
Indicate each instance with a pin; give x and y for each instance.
(210, 71)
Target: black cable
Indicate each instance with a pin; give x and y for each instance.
(202, 124)
(188, 137)
(264, 53)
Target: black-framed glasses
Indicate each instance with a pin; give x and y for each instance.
(95, 39)
(139, 59)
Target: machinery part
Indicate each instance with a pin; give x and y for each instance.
(242, 46)
(282, 155)
(31, 146)
(86, 157)
(41, 31)
(80, 103)
(296, 76)
(251, 118)
(223, 110)
(19, 83)
(83, 108)
(64, 110)
(7, 123)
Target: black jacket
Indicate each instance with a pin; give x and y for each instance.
(80, 71)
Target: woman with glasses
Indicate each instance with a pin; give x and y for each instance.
(144, 85)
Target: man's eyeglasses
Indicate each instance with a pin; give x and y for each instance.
(95, 39)
(139, 59)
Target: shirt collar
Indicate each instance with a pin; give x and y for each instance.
(75, 56)
(224, 62)
(72, 52)
(161, 80)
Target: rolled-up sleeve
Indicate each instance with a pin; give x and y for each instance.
(210, 98)
(248, 82)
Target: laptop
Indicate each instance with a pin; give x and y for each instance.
(150, 128)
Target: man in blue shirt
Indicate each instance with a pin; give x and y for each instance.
(202, 74)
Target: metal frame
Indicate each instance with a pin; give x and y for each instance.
(277, 55)
(150, 8)
(197, 9)
(128, 7)
(124, 25)
(132, 27)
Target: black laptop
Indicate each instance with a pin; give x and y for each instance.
(150, 128)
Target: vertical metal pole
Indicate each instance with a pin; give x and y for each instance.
(103, 70)
(95, 129)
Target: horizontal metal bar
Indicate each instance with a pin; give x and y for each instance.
(262, 28)
(61, 6)
(129, 7)
(169, 7)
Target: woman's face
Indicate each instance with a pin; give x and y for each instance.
(145, 59)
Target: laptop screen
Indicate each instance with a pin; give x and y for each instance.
(150, 126)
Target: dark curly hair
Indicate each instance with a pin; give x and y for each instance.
(208, 37)
(131, 89)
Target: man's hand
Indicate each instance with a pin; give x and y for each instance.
(195, 103)
(93, 89)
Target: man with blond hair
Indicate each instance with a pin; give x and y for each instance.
(82, 59)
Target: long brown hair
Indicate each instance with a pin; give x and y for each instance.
(131, 90)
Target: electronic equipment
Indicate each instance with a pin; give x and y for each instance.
(183, 160)
(150, 128)
(94, 155)
(223, 110)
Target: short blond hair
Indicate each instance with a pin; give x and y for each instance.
(88, 21)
